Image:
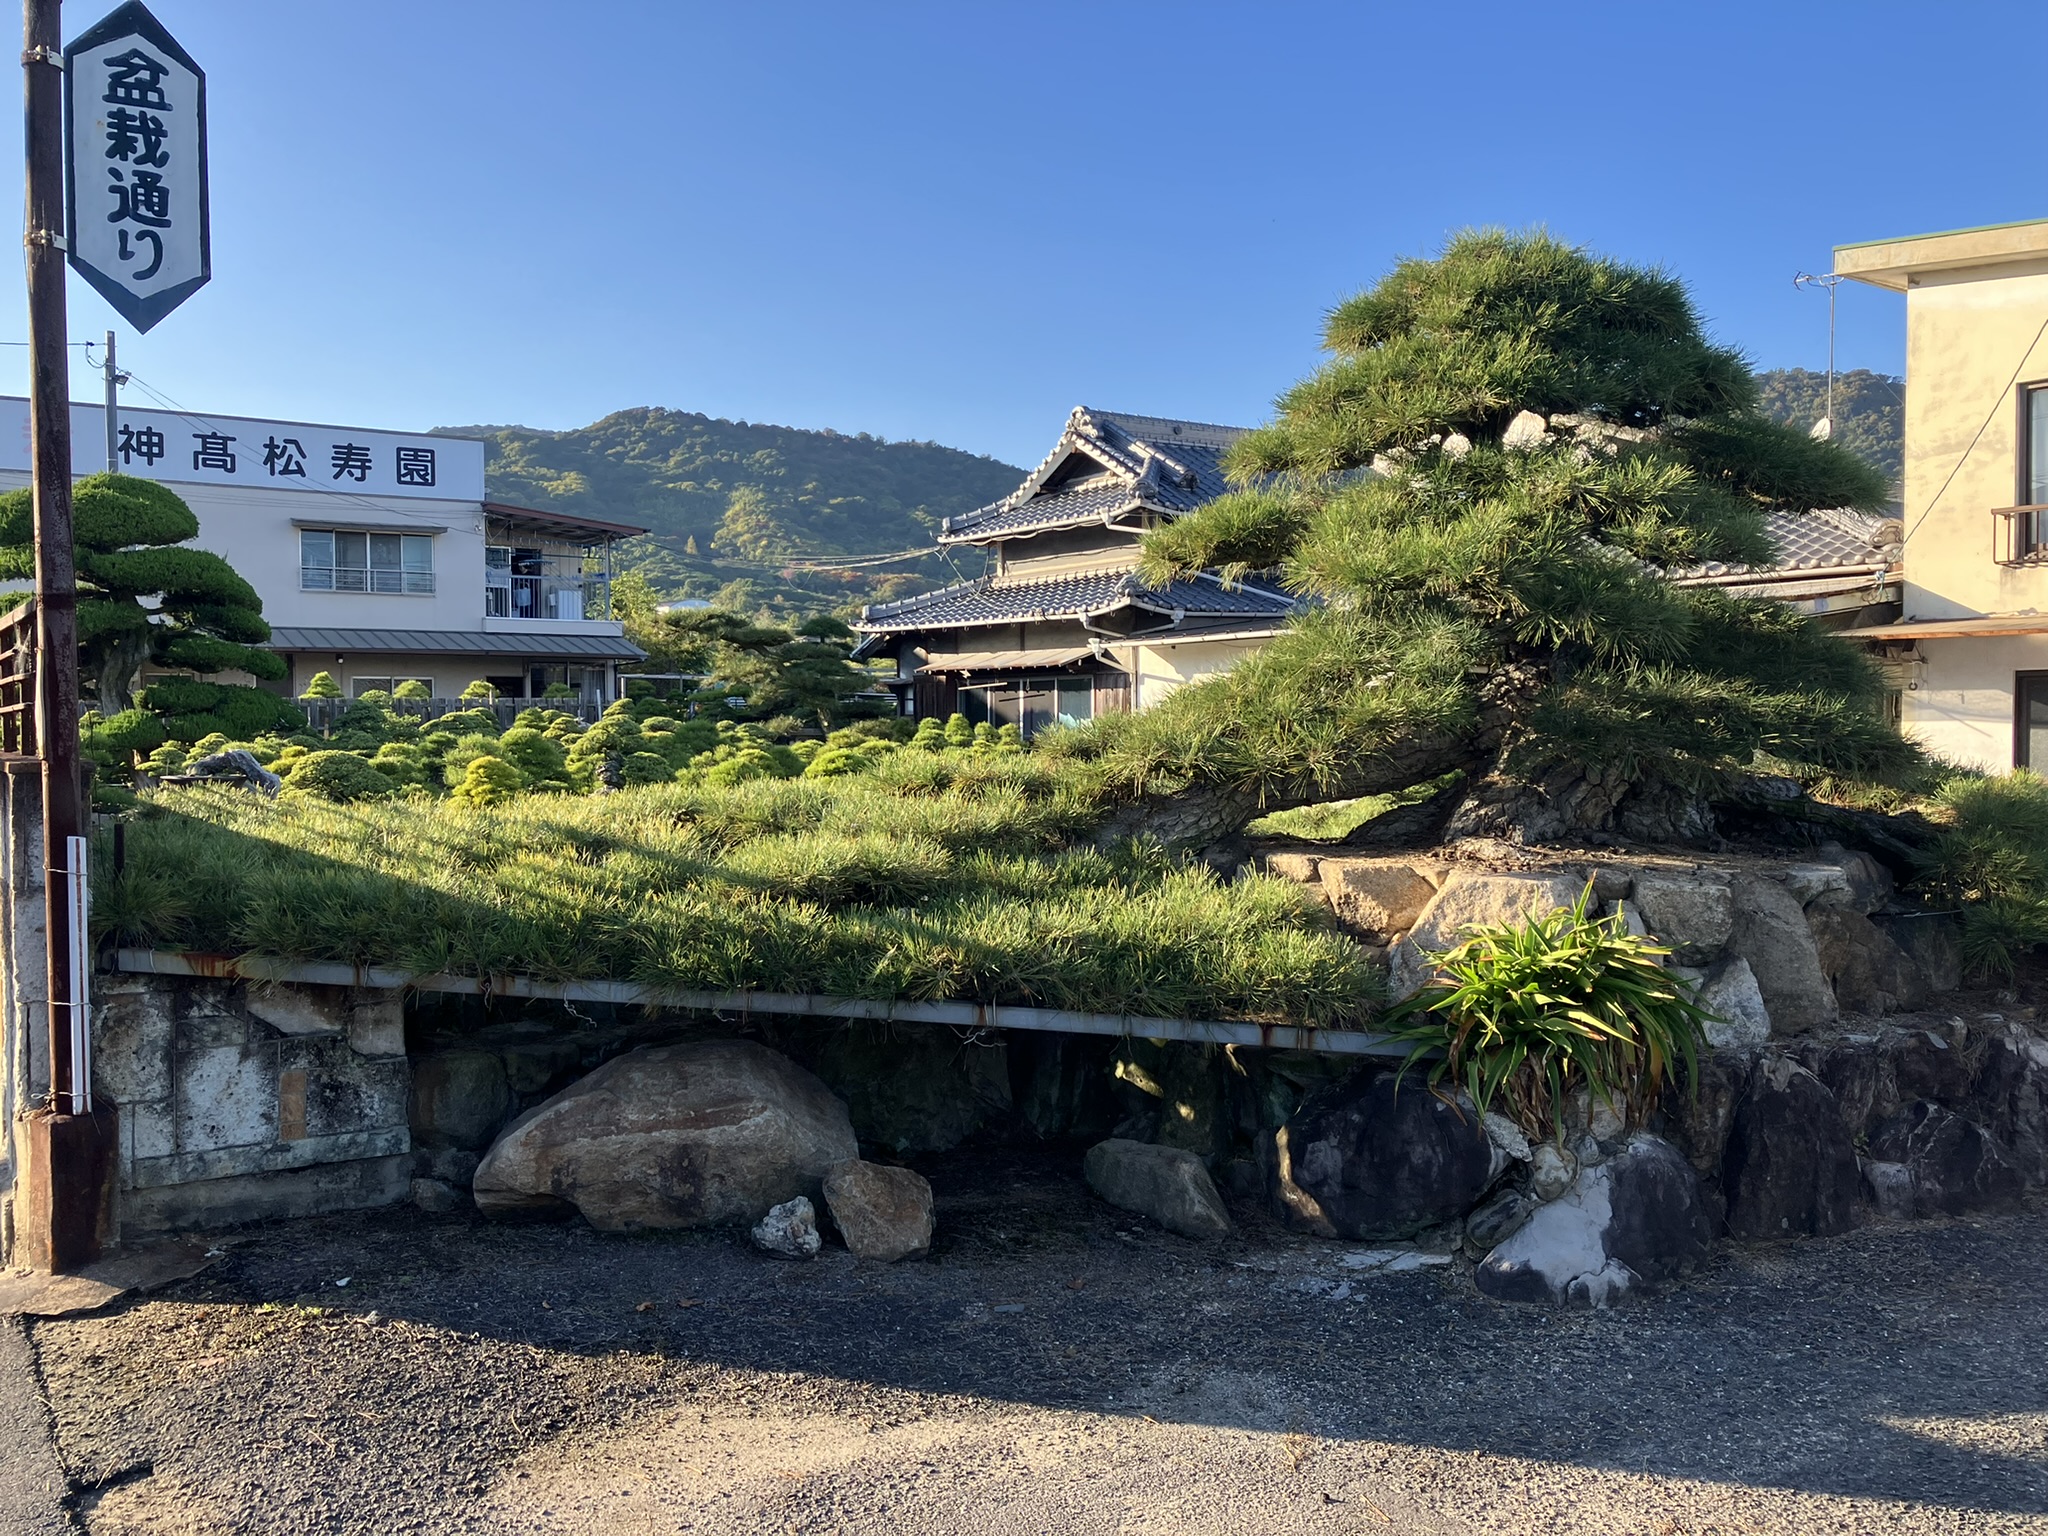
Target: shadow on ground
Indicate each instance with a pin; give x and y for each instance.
(379, 1372)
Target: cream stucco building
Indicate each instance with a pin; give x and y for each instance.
(1970, 648)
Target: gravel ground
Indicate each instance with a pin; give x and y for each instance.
(1054, 1367)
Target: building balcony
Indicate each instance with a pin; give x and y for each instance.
(2019, 535)
(537, 596)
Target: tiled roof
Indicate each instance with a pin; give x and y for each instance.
(453, 642)
(1150, 461)
(992, 601)
(1815, 541)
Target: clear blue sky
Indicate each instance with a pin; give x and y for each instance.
(957, 221)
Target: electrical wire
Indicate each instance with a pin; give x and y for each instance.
(1997, 405)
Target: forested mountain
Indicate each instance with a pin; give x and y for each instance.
(743, 501)
(1870, 410)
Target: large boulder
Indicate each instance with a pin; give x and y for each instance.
(1789, 1169)
(2009, 1098)
(1692, 911)
(1634, 1219)
(1700, 1109)
(673, 1136)
(1468, 899)
(882, 1213)
(1954, 1164)
(1378, 896)
(1870, 973)
(1729, 991)
(1771, 933)
(1924, 1065)
(1369, 1160)
(1932, 941)
(1168, 1184)
(1858, 1073)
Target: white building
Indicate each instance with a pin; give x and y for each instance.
(377, 554)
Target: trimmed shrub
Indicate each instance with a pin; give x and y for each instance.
(336, 776)
(489, 781)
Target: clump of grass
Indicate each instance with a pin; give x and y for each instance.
(975, 881)
(1524, 1014)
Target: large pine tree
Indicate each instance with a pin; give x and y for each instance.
(1482, 490)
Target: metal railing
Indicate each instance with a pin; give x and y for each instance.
(2019, 535)
(389, 580)
(546, 597)
(18, 680)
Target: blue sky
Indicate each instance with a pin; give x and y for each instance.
(956, 222)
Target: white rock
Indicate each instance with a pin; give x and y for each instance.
(1551, 1170)
(789, 1230)
(1729, 989)
(1604, 1120)
(1507, 1136)
(1692, 912)
(1526, 431)
(1469, 898)
(1457, 445)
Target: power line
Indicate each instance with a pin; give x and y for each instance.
(1998, 403)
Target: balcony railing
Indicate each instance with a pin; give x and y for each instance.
(356, 578)
(2019, 535)
(545, 597)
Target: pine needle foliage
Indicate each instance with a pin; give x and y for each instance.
(1525, 1014)
(1477, 586)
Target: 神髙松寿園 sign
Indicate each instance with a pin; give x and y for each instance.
(135, 172)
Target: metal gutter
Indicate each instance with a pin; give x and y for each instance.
(1283, 1037)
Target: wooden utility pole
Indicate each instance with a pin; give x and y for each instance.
(70, 1148)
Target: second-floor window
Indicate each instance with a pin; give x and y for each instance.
(2034, 449)
(340, 560)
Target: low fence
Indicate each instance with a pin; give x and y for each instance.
(321, 714)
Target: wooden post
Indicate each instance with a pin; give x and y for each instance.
(70, 1161)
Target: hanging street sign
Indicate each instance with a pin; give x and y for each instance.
(135, 168)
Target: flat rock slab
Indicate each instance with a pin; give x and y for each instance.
(29, 1293)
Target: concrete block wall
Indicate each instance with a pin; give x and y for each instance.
(241, 1102)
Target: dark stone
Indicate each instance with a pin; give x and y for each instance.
(1497, 1220)
(2009, 1098)
(1366, 1162)
(1699, 1111)
(1870, 974)
(1062, 1084)
(1790, 1165)
(1926, 1066)
(1956, 1166)
(1930, 938)
(1858, 1073)
(914, 1088)
(460, 1098)
(1659, 1227)
(1635, 1220)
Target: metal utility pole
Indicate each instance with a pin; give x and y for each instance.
(1830, 282)
(69, 1147)
(113, 409)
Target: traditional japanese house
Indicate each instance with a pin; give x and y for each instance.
(1059, 627)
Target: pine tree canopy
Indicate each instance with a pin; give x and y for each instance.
(1488, 584)
(130, 547)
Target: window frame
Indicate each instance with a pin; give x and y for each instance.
(412, 574)
(2020, 684)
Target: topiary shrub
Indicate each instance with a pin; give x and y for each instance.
(413, 691)
(467, 722)
(115, 741)
(480, 690)
(489, 781)
(323, 686)
(1009, 739)
(836, 762)
(646, 768)
(958, 732)
(336, 776)
(540, 760)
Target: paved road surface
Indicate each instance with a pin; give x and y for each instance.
(1055, 1368)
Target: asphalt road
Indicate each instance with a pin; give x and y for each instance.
(1053, 1368)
